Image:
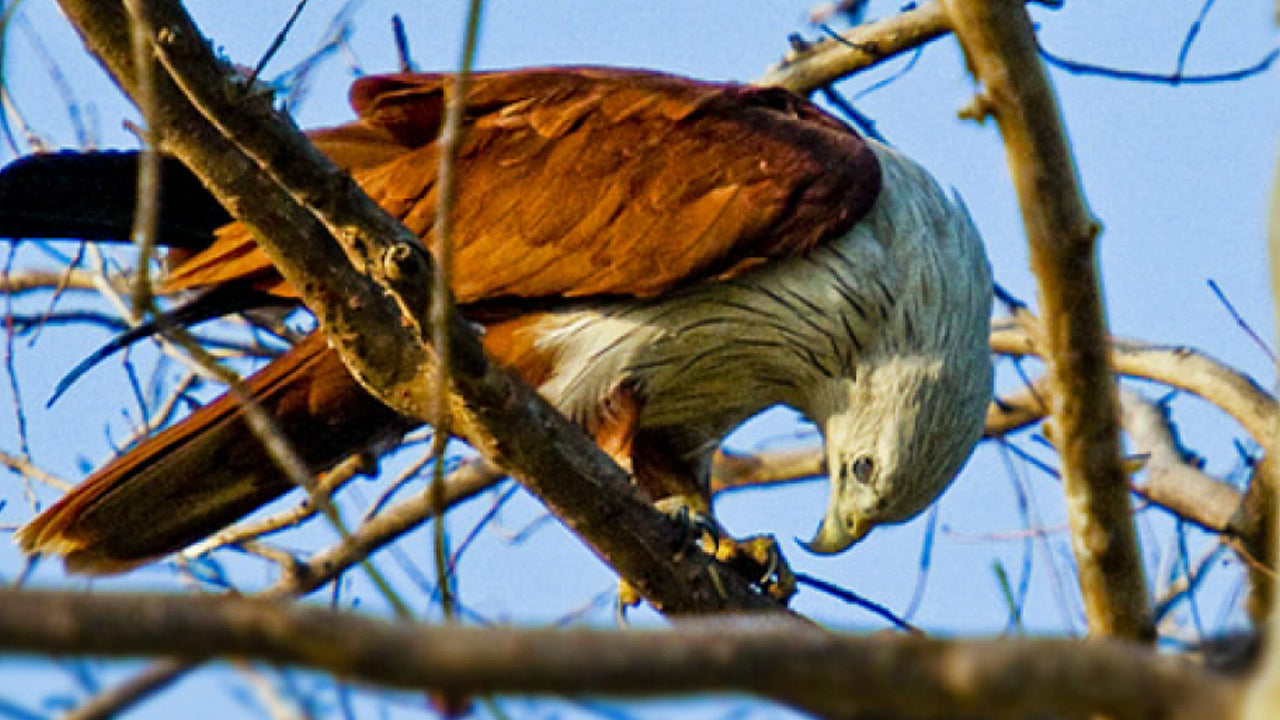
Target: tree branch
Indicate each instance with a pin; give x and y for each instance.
(1171, 481)
(1177, 366)
(826, 61)
(839, 675)
(999, 43)
(18, 283)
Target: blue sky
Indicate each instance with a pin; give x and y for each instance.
(1178, 176)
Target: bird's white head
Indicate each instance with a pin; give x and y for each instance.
(896, 435)
(905, 415)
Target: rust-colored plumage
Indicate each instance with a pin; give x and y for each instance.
(593, 181)
(580, 190)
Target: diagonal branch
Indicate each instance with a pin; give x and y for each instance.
(370, 291)
(999, 42)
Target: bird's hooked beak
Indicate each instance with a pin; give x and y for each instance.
(852, 492)
(835, 534)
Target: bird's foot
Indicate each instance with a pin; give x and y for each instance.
(757, 557)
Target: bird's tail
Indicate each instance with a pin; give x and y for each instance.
(209, 470)
(92, 195)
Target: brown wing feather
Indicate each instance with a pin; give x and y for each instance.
(585, 181)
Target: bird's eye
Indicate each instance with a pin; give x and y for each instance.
(862, 469)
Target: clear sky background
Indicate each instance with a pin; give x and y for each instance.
(1178, 176)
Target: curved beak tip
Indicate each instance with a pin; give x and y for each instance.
(834, 537)
(816, 547)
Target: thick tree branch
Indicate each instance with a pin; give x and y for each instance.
(371, 293)
(840, 675)
(999, 43)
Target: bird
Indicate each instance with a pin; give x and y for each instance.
(662, 258)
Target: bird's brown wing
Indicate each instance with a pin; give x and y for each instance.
(591, 181)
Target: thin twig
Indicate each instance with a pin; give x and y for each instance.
(27, 468)
(827, 61)
(276, 42)
(26, 281)
(331, 482)
(146, 209)
(451, 137)
(108, 703)
(855, 599)
(1241, 322)
(1082, 68)
(402, 44)
(1192, 33)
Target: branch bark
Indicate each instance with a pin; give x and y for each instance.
(839, 675)
(999, 43)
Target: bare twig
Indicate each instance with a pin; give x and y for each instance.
(1173, 78)
(402, 44)
(1241, 323)
(735, 470)
(852, 598)
(826, 61)
(1008, 413)
(1192, 33)
(277, 42)
(107, 704)
(324, 489)
(146, 210)
(27, 468)
(25, 281)
(452, 133)
(383, 528)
